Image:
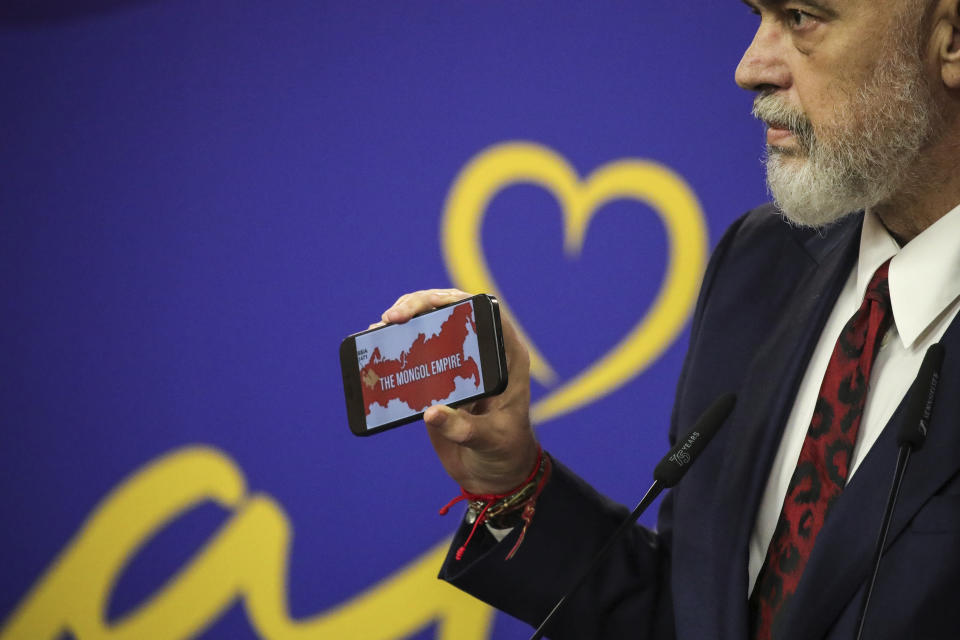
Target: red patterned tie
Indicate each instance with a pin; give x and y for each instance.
(823, 465)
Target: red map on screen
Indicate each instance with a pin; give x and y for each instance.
(426, 373)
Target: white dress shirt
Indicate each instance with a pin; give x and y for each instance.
(925, 297)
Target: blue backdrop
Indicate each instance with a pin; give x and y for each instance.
(199, 200)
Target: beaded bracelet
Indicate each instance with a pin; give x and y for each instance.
(499, 509)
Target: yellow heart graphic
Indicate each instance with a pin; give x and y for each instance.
(663, 190)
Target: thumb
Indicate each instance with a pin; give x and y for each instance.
(450, 424)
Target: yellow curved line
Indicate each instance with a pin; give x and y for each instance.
(479, 181)
(246, 560)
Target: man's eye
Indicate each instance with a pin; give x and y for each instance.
(798, 19)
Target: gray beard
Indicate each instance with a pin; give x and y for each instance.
(868, 153)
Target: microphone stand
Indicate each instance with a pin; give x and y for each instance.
(902, 459)
(912, 435)
(649, 497)
(667, 474)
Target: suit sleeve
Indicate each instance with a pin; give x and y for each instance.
(629, 595)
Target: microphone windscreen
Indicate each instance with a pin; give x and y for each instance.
(685, 452)
(916, 422)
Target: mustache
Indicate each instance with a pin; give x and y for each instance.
(775, 112)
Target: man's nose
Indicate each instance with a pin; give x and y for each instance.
(763, 67)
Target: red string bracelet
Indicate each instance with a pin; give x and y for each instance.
(490, 498)
(529, 506)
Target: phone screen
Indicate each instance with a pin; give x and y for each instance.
(432, 359)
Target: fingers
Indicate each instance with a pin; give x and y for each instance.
(411, 304)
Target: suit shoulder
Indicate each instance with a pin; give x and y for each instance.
(762, 258)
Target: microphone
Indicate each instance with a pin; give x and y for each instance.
(667, 473)
(912, 435)
(669, 470)
(913, 431)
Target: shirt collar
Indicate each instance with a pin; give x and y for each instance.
(924, 274)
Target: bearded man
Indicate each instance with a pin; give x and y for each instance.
(816, 311)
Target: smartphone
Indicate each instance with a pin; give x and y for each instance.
(450, 355)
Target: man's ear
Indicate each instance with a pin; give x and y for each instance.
(948, 47)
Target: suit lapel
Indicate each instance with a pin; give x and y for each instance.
(763, 405)
(840, 561)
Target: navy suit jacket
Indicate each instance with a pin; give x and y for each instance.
(765, 297)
